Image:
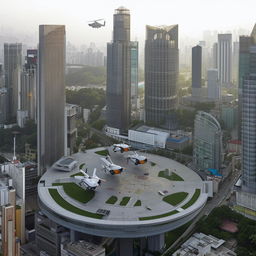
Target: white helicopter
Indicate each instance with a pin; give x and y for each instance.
(137, 159)
(121, 147)
(88, 182)
(109, 166)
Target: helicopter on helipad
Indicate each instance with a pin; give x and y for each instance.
(122, 147)
(86, 181)
(109, 166)
(137, 159)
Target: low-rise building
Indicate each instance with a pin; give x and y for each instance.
(178, 141)
(82, 248)
(154, 137)
(200, 244)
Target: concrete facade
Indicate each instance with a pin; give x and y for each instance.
(12, 69)
(51, 95)
(213, 85)
(225, 59)
(196, 67)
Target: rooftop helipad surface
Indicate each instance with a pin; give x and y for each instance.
(162, 191)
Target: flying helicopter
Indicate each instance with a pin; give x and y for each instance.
(122, 147)
(96, 23)
(88, 182)
(137, 159)
(109, 166)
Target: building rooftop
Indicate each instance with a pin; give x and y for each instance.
(152, 130)
(129, 204)
(201, 244)
(81, 248)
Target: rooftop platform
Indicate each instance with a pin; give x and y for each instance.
(136, 203)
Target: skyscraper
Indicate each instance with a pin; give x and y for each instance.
(245, 42)
(28, 84)
(213, 86)
(119, 72)
(134, 73)
(248, 127)
(8, 230)
(196, 70)
(12, 68)
(207, 141)
(225, 59)
(51, 95)
(161, 72)
(235, 62)
(215, 55)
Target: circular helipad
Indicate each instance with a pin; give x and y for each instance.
(143, 200)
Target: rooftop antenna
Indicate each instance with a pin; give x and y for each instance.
(14, 145)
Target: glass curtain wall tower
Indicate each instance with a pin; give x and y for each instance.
(119, 72)
(161, 72)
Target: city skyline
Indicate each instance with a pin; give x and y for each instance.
(191, 24)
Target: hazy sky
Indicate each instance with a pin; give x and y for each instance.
(193, 16)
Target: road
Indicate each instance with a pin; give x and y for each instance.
(224, 193)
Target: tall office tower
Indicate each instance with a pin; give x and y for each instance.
(134, 73)
(12, 69)
(28, 84)
(235, 62)
(207, 141)
(51, 95)
(119, 72)
(71, 130)
(248, 124)
(245, 43)
(161, 72)
(213, 85)
(3, 105)
(225, 59)
(8, 230)
(249, 133)
(215, 55)
(1, 75)
(196, 70)
(205, 57)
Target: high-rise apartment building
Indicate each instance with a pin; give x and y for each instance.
(8, 230)
(207, 142)
(161, 72)
(225, 59)
(213, 85)
(28, 84)
(119, 72)
(235, 62)
(134, 73)
(215, 55)
(12, 69)
(51, 95)
(196, 70)
(3, 105)
(196, 66)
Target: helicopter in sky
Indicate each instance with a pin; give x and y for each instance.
(86, 181)
(121, 147)
(137, 159)
(96, 23)
(109, 166)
